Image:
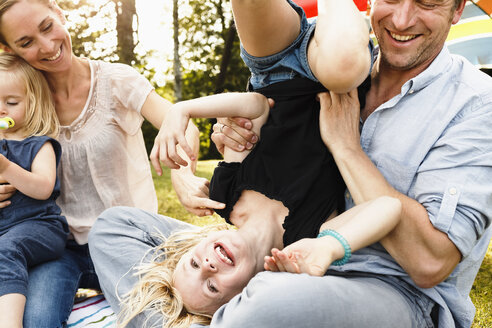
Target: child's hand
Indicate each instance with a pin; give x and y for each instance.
(171, 134)
(309, 255)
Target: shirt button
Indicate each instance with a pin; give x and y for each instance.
(411, 91)
(347, 195)
(68, 135)
(452, 191)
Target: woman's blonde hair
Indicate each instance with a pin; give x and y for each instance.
(154, 293)
(6, 4)
(40, 117)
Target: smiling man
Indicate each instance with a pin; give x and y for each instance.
(421, 134)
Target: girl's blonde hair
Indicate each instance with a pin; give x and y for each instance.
(40, 116)
(154, 294)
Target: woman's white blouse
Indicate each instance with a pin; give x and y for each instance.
(104, 162)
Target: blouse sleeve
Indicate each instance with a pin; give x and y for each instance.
(129, 90)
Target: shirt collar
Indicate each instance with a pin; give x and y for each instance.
(438, 66)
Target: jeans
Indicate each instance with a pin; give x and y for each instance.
(282, 300)
(27, 244)
(53, 285)
(123, 237)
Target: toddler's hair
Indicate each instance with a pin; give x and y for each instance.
(40, 117)
(154, 295)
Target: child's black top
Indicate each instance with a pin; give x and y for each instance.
(290, 163)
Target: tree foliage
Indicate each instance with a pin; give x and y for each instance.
(210, 57)
(87, 40)
(208, 49)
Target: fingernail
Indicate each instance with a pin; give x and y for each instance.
(249, 145)
(254, 139)
(248, 125)
(240, 147)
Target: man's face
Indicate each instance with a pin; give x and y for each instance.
(411, 33)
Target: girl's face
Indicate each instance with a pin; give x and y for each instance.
(216, 270)
(13, 100)
(37, 33)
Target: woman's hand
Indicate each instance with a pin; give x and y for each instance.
(339, 120)
(193, 193)
(234, 133)
(308, 255)
(171, 134)
(6, 191)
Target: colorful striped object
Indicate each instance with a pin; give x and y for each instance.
(93, 312)
(472, 36)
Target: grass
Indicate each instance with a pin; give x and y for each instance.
(481, 293)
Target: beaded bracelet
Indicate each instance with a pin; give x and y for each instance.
(343, 241)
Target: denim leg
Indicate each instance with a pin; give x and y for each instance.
(25, 245)
(121, 238)
(279, 300)
(53, 285)
(51, 291)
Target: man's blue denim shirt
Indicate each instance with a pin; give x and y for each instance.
(432, 142)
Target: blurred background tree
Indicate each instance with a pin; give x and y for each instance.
(206, 50)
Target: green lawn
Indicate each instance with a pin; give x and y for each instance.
(481, 293)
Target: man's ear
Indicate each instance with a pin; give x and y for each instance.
(458, 11)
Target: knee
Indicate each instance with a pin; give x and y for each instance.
(271, 300)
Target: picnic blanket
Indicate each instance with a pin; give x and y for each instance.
(92, 312)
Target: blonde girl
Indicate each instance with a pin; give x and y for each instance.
(155, 293)
(32, 229)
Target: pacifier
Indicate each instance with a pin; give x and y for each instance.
(6, 123)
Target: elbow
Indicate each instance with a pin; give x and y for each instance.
(430, 274)
(44, 192)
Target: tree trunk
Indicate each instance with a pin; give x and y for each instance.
(125, 15)
(178, 94)
(219, 84)
(226, 57)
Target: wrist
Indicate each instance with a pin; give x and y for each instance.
(183, 108)
(339, 246)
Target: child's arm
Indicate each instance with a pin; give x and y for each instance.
(38, 183)
(361, 226)
(251, 105)
(338, 54)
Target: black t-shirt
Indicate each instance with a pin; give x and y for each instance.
(290, 163)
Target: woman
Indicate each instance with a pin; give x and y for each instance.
(100, 107)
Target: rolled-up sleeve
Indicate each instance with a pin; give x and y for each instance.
(454, 183)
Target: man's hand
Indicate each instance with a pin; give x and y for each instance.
(234, 133)
(339, 120)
